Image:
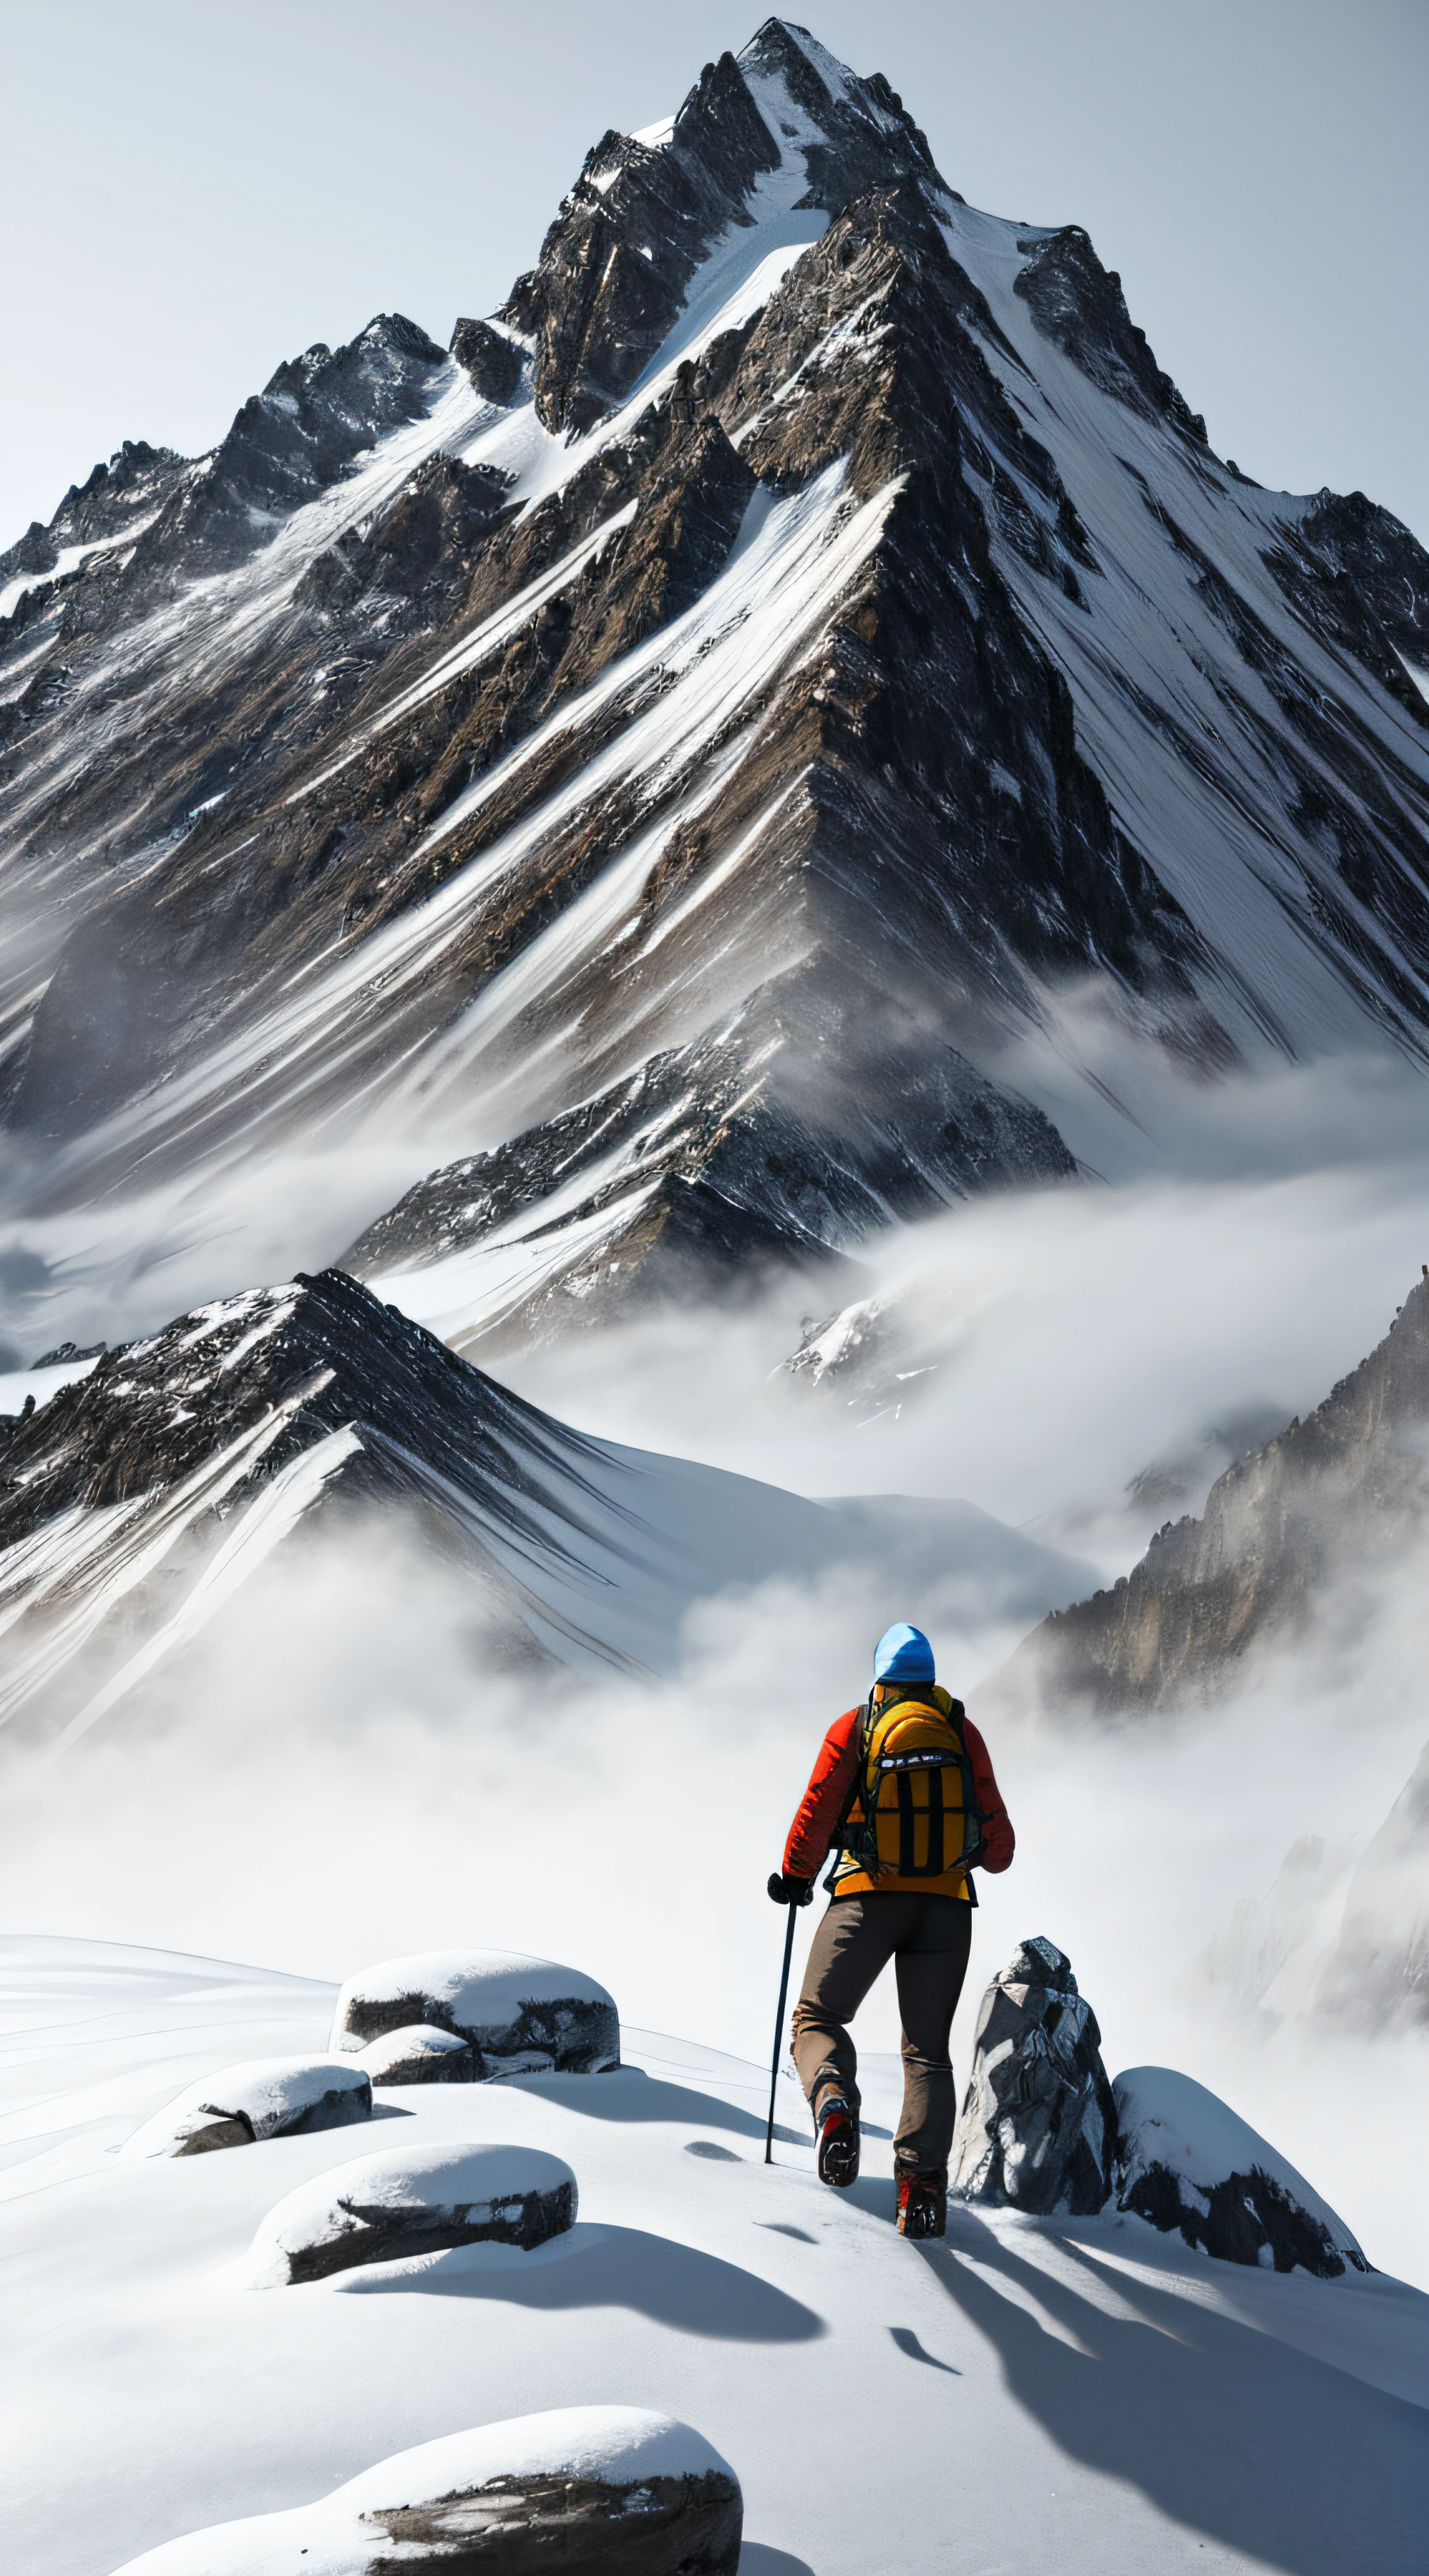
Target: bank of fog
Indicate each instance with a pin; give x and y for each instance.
(348, 1765)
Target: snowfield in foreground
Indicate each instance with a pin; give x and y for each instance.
(1085, 2394)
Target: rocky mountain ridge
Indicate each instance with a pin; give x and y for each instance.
(1340, 1493)
(670, 747)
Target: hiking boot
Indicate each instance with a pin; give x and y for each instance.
(838, 2142)
(922, 2204)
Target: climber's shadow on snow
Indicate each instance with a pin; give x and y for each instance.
(1336, 2477)
(757, 2559)
(630, 2095)
(624, 2267)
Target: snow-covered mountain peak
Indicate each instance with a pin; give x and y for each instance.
(800, 661)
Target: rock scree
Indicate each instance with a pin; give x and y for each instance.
(1191, 2166)
(1038, 2124)
(521, 2016)
(412, 2200)
(603, 2490)
(419, 2053)
(264, 2097)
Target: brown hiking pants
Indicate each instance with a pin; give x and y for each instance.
(929, 1938)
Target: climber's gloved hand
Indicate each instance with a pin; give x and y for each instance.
(790, 1891)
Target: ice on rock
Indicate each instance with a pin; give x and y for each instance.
(1190, 2165)
(521, 2016)
(412, 2200)
(612, 2490)
(1038, 2125)
(266, 2097)
(419, 2053)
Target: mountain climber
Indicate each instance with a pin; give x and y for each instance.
(903, 1794)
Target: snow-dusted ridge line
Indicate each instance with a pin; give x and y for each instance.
(686, 687)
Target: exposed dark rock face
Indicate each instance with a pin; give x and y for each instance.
(1243, 2218)
(491, 360)
(617, 260)
(266, 2097)
(1080, 306)
(290, 442)
(517, 2017)
(419, 2053)
(418, 558)
(523, 2526)
(1191, 2167)
(104, 511)
(168, 1438)
(1038, 2124)
(788, 739)
(605, 2491)
(420, 2200)
(711, 1172)
(1357, 576)
(1342, 1491)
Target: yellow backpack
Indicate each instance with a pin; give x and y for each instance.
(913, 1789)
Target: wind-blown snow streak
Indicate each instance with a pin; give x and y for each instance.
(1184, 734)
(348, 1033)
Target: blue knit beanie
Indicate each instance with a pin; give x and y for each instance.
(903, 1654)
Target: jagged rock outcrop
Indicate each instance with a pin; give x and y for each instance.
(606, 2490)
(1037, 2130)
(131, 1483)
(518, 2016)
(1191, 2167)
(489, 357)
(725, 672)
(313, 1419)
(1345, 1490)
(412, 2200)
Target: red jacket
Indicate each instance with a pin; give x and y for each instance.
(816, 1823)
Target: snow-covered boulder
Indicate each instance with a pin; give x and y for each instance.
(1191, 2166)
(412, 2200)
(522, 2016)
(419, 2053)
(266, 2097)
(604, 2490)
(1038, 2125)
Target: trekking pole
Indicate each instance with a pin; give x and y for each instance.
(779, 2035)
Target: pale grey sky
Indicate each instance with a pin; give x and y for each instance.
(194, 192)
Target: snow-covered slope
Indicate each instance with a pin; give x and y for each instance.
(153, 1489)
(660, 768)
(1087, 2394)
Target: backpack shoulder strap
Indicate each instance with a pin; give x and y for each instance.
(855, 1786)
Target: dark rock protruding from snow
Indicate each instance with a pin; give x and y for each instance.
(1038, 2125)
(267, 2097)
(315, 415)
(315, 1381)
(1188, 2164)
(117, 500)
(1346, 1487)
(1080, 306)
(682, 758)
(419, 2053)
(491, 359)
(521, 2016)
(413, 2200)
(582, 2491)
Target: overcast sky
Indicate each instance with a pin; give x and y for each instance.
(195, 192)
